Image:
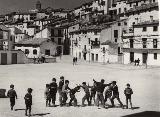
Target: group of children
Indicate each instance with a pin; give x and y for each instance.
(90, 94)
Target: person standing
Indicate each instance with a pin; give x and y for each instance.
(93, 93)
(28, 102)
(100, 86)
(47, 95)
(128, 92)
(61, 83)
(65, 91)
(12, 95)
(115, 94)
(53, 91)
(87, 94)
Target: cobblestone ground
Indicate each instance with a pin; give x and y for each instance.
(144, 82)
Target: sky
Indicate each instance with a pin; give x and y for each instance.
(7, 6)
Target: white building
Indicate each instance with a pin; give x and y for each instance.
(37, 47)
(142, 38)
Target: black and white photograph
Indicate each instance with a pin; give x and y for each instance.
(79, 58)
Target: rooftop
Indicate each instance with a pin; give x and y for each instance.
(32, 41)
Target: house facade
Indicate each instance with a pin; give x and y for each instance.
(37, 47)
(141, 40)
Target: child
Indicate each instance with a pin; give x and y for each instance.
(53, 91)
(115, 94)
(61, 83)
(65, 91)
(108, 93)
(87, 94)
(12, 95)
(128, 92)
(72, 95)
(100, 86)
(47, 95)
(93, 93)
(28, 101)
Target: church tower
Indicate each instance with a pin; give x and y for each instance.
(38, 5)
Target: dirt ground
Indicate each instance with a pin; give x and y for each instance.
(144, 82)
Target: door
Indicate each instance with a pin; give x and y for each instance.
(14, 58)
(4, 58)
(131, 57)
(144, 55)
(96, 57)
(92, 57)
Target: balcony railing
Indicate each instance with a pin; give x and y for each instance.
(95, 44)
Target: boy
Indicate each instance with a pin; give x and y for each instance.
(65, 91)
(12, 95)
(128, 92)
(87, 94)
(108, 94)
(53, 90)
(28, 101)
(115, 94)
(100, 86)
(72, 95)
(47, 95)
(93, 93)
(61, 83)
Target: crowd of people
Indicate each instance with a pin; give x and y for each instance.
(97, 95)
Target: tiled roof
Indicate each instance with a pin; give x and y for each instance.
(133, 1)
(143, 7)
(147, 23)
(32, 41)
(4, 28)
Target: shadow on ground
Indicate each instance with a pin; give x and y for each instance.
(19, 109)
(41, 114)
(145, 114)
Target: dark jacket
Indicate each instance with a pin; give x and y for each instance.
(12, 93)
(28, 99)
(53, 88)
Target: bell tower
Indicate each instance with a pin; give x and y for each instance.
(38, 5)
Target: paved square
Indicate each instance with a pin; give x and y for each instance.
(144, 82)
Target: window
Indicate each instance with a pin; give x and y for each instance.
(119, 24)
(125, 23)
(136, 3)
(154, 43)
(155, 56)
(144, 29)
(119, 50)
(47, 52)
(155, 28)
(115, 33)
(125, 9)
(89, 41)
(26, 51)
(59, 41)
(119, 10)
(115, 39)
(144, 40)
(35, 52)
(59, 33)
(131, 43)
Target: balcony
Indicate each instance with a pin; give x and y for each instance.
(95, 44)
(128, 33)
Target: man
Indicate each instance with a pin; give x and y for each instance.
(53, 91)
(61, 83)
(115, 94)
(100, 86)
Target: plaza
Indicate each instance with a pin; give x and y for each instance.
(144, 82)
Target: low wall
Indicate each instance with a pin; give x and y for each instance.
(48, 60)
